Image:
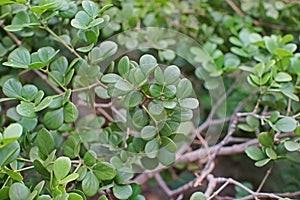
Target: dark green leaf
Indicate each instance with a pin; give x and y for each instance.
(90, 184)
(266, 139)
(104, 171)
(123, 65)
(45, 142)
(14, 175)
(9, 153)
(70, 112)
(54, 119)
(90, 158)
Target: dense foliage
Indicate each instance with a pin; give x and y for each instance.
(99, 97)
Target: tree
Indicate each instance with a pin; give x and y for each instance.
(99, 97)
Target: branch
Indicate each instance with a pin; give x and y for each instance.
(11, 35)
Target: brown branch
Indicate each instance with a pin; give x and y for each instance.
(11, 35)
(265, 179)
(163, 185)
(235, 8)
(45, 78)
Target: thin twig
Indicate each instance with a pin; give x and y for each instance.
(163, 185)
(265, 179)
(11, 35)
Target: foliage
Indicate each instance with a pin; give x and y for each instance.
(78, 119)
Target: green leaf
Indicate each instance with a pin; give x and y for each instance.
(12, 88)
(41, 169)
(70, 112)
(168, 144)
(54, 119)
(132, 99)
(44, 104)
(198, 196)
(104, 171)
(147, 63)
(263, 162)
(26, 109)
(62, 167)
(18, 58)
(266, 139)
(271, 153)
(14, 175)
(151, 148)
(105, 49)
(13, 131)
(170, 91)
(239, 51)
(159, 76)
(45, 142)
(72, 146)
(101, 92)
(148, 132)
(166, 157)
(90, 8)
(69, 178)
(9, 153)
(149, 163)
(184, 88)
(75, 196)
(123, 86)
(292, 145)
(90, 184)
(47, 54)
(271, 45)
(110, 78)
(190, 103)
(18, 191)
(86, 49)
(60, 65)
(29, 92)
(171, 74)
(124, 65)
(287, 124)
(283, 53)
(283, 77)
(123, 174)
(140, 119)
(156, 90)
(255, 153)
(90, 158)
(122, 191)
